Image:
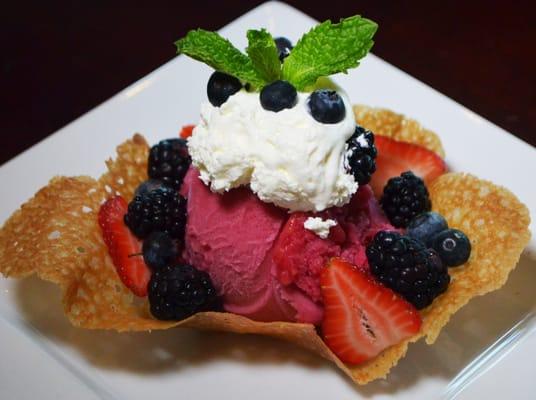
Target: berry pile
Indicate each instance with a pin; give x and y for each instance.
(145, 238)
(415, 265)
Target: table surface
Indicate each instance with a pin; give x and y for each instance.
(61, 59)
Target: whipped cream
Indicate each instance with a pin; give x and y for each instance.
(319, 226)
(287, 157)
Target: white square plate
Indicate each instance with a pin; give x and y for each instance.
(488, 348)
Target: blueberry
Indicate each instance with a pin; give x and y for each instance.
(283, 47)
(424, 226)
(453, 247)
(220, 86)
(159, 250)
(148, 186)
(326, 106)
(278, 95)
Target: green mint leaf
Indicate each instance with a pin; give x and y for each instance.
(263, 54)
(220, 54)
(328, 49)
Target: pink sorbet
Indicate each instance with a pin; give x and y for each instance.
(229, 236)
(261, 259)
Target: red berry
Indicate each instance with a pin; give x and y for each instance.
(362, 317)
(186, 131)
(395, 157)
(124, 248)
(300, 256)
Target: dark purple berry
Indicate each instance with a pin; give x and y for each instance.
(169, 161)
(220, 87)
(361, 155)
(278, 95)
(159, 250)
(424, 226)
(326, 106)
(162, 210)
(453, 246)
(148, 186)
(406, 266)
(179, 291)
(404, 197)
(284, 46)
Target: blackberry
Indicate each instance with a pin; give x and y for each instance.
(169, 161)
(161, 210)
(406, 266)
(179, 291)
(361, 155)
(404, 197)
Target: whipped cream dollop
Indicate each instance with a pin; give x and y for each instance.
(287, 157)
(319, 226)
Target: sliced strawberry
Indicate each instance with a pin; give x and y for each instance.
(123, 246)
(361, 316)
(395, 157)
(186, 131)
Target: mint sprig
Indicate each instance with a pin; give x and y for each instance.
(328, 49)
(211, 49)
(264, 55)
(325, 50)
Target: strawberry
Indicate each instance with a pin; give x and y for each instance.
(186, 131)
(361, 316)
(395, 157)
(124, 248)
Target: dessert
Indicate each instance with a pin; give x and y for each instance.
(278, 215)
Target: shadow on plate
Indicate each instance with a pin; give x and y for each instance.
(469, 333)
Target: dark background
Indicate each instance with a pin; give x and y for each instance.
(60, 59)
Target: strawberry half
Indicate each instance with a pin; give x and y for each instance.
(395, 157)
(123, 246)
(362, 317)
(186, 131)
